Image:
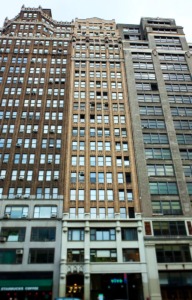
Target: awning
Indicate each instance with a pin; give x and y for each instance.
(26, 285)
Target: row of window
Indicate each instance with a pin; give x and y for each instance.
(48, 234)
(165, 253)
(100, 161)
(47, 212)
(32, 103)
(29, 128)
(100, 132)
(30, 158)
(101, 195)
(33, 91)
(46, 256)
(157, 138)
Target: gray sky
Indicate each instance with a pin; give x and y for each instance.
(123, 11)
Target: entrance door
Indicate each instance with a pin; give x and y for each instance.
(75, 286)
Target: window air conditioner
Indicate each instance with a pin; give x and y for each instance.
(26, 196)
(2, 177)
(3, 239)
(35, 130)
(17, 196)
(6, 216)
(21, 177)
(56, 178)
(18, 145)
(24, 216)
(49, 161)
(53, 215)
(52, 131)
(19, 251)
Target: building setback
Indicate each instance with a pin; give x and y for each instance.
(95, 159)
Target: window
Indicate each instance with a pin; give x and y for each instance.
(153, 124)
(103, 255)
(13, 234)
(45, 211)
(151, 110)
(187, 170)
(170, 228)
(186, 153)
(183, 125)
(129, 234)
(75, 234)
(41, 256)
(155, 138)
(173, 253)
(16, 212)
(42, 234)
(184, 138)
(10, 256)
(163, 188)
(106, 234)
(160, 170)
(75, 255)
(157, 153)
(148, 98)
(166, 207)
(130, 255)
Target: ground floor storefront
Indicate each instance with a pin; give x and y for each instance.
(176, 285)
(106, 286)
(26, 285)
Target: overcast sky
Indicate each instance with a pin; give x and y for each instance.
(123, 11)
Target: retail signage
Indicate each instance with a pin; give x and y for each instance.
(20, 288)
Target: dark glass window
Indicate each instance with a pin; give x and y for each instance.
(43, 234)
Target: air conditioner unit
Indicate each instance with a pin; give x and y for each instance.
(50, 81)
(5, 161)
(2, 177)
(53, 215)
(56, 178)
(33, 93)
(27, 93)
(18, 145)
(51, 146)
(3, 239)
(35, 130)
(21, 177)
(32, 61)
(6, 216)
(24, 216)
(26, 196)
(52, 131)
(81, 173)
(18, 196)
(19, 251)
(49, 161)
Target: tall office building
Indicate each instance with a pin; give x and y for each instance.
(95, 159)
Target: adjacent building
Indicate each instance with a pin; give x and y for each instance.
(95, 165)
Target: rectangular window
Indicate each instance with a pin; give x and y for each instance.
(130, 255)
(75, 234)
(106, 234)
(129, 234)
(43, 234)
(170, 228)
(163, 188)
(103, 255)
(173, 253)
(41, 256)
